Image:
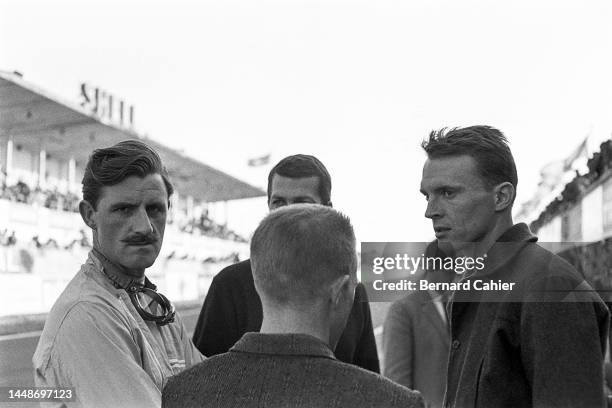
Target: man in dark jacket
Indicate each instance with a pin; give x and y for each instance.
(304, 268)
(526, 330)
(232, 306)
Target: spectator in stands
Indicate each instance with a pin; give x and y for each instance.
(540, 343)
(52, 199)
(71, 202)
(22, 192)
(2, 180)
(304, 269)
(110, 335)
(39, 198)
(232, 306)
(84, 240)
(11, 240)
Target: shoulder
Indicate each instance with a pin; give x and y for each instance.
(238, 272)
(82, 294)
(190, 380)
(379, 390)
(541, 264)
(78, 321)
(409, 303)
(546, 277)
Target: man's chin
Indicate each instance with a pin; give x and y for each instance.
(139, 263)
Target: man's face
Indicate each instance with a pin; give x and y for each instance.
(286, 191)
(130, 220)
(459, 203)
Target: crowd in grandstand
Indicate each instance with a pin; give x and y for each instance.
(204, 225)
(232, 257)
(8, 239)
(54, 199)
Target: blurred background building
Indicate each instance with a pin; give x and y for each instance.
(571, 211)
(44, 145)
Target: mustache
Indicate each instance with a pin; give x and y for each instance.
(140, 239)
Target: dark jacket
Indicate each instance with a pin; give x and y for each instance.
(232, 308)
(541, 344)
(283, 370)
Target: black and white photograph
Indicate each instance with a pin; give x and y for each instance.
(305, 203)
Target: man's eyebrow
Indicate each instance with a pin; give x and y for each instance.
(443, 187)
(449, 187)
(123, 204)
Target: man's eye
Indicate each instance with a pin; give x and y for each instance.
(122, 210)
(156, 210)
(448, 193)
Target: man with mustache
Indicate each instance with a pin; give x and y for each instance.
(111, 336)
(539, 344)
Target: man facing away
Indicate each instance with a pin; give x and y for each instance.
(539, 344)
(304, 268)
(232, 306)
(110, 335)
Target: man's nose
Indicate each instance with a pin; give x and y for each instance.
(141, 222)
(433, 209)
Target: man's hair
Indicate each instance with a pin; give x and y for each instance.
(112, 165)
(486, 145)
(299, 250)
(300, 166)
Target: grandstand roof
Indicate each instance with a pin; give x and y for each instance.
(35, 118)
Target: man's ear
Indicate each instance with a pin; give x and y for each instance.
(504, 196)
(339, 289)
(87, 213)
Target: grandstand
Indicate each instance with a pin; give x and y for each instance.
(44, 145)
(574, 217)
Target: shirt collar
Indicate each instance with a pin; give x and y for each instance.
(292, 344)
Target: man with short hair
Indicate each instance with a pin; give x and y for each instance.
(110, 335)
(304, 268)
(540, 343)
(232, 306)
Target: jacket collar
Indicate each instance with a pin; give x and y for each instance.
(518, 233)
(507, 246)
(293, 344)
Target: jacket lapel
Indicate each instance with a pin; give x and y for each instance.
(433, 317)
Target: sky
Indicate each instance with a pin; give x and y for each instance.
(359, 84)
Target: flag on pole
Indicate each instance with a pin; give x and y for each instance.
(582, 151)
(259, 161)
